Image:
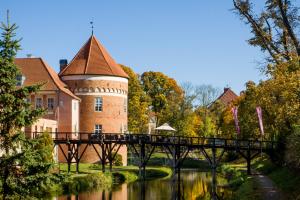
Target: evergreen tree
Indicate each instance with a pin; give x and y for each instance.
(22, 165)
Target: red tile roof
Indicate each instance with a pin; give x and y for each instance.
(93, 59)
(227, 97)
(36, 70)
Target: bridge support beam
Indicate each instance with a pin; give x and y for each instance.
(248, 162)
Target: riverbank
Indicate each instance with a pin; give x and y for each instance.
(91, 177)
(267, 180)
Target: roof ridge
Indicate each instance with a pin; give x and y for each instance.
(74, 58)
(89, 54)
(104, 56)
(47, 67)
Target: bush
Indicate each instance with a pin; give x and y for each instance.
(85, 183)
(292, 153)
(118, 160)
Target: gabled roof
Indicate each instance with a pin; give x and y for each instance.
(36, 70)
(93, 59)
(227, 97)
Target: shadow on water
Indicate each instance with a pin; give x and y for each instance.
(187, 185)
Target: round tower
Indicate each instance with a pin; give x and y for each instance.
(102, 86)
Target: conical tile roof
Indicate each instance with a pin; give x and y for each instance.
(93, 59)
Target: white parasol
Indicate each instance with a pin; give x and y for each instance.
(165, 127)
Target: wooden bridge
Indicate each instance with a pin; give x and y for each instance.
(73, 146)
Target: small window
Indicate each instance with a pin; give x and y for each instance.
(50, 103)
(75, 106)
(20, 80)
(125, 105)
(98, 104)
(98, 128)
(38, 103)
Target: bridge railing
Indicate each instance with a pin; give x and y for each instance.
(160, 139)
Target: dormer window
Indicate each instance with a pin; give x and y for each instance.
(20, 80)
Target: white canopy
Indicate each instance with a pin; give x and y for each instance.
(165, 127)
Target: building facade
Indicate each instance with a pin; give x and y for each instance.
(88, 95)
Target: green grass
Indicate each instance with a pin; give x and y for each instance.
(248, 190)
(288, 180)
(244, 187)
(161, 159)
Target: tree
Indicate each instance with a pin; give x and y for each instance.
(138, 104)
(274, 29)
(20, 163)
(206, 95)
(165, 95)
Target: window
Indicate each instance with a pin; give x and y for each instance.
(50, 103)
(20, 80)
(38, 103)
(98, 128)
(98, 104)
(125, 105)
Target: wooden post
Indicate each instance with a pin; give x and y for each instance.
(142, 167)
(69, 157)
(103, 157)
(77, 159)
(248, 159)
(214, 168)
(110, 157)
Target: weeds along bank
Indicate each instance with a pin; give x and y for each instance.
(287, 180)
(91, 178)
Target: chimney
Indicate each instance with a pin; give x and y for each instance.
(63, 63)
(226, 89)
(29, 55)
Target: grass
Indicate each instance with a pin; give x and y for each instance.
(90, 176)
(248, 190)
(244, 187)
(161, 159)
(288, 180)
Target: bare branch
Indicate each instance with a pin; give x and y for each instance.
(287, 25)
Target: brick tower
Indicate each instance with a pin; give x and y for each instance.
(102, 86)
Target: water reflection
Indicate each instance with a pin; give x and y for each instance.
(192, 185)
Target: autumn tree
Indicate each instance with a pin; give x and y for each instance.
(274, 29)
(138, 104)
(165, 95)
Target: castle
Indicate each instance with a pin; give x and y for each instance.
(89, 94)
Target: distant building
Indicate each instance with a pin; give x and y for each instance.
(89, 95)
(227, 97)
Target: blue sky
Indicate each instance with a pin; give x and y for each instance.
(199, 41)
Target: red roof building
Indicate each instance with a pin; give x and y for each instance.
(227, 97)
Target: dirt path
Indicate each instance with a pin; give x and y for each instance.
(268, 189)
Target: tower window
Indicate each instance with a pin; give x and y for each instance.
(38, 103)
(98, 104)
(125, 105)
(98, 128)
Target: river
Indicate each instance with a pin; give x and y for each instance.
(193, 185)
